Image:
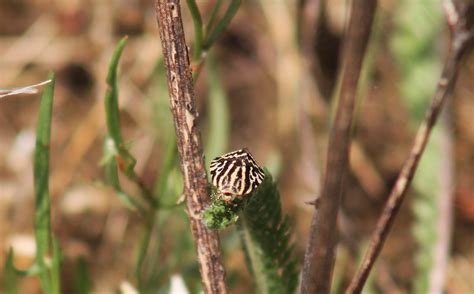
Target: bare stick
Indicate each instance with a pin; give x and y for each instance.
(180, 86)
(320, 252)
(460, 38)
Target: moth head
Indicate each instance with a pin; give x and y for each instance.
(230, 189)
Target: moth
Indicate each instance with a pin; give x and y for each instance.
(235, 174)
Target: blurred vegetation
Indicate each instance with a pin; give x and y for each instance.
(132, 230)
(416, 47)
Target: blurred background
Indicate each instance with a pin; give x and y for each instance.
(268, 83)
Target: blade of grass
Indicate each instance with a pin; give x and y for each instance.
(213, 16)
(10, 278)
(112, 178)
(211, 34)
(56, 267)
(222, 24)
(82, 281)
(125, 161)
(112, 110)
(41, 186)
(142, 252)
(197, 21)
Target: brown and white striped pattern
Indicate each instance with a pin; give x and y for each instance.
(236, 173)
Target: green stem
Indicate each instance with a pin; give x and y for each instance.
(213, 16)
(41, 184)
(56, 268)
(142, 250)
(253, 257)
(223, 23)
(196, 15)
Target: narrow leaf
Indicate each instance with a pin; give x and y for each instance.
(127, 162)
(41, 184)
(10, 278)
(56, 268)
(82, 281)
(197, 21)
(223, 23)
(112, 177)
(213, 16)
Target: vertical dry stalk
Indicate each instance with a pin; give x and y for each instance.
(461, 37)
(180, 86)
(320, 253)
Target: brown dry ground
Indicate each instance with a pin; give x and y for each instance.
(276, 111)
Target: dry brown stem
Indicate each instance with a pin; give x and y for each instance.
(320, 253)
(461, 35)
(180, 86)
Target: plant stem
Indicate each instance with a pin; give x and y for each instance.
(320, 252)
(196, 15)
(41, 183)
(182, 101)
(254, 261)
(460, 39)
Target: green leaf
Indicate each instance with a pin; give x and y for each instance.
(123, 159)
(82, 281)
(142, 252)
(127, 162)
(222, 24)
(213, 16)
(10, 277)
(41, 185)
(266, 235)
(197, 21)
(56, 268)
(112, 178)
(220, 214)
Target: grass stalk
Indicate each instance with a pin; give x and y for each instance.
(43, 233)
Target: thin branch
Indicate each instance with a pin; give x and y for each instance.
(461, 36)
(320, 253)
(182, 100)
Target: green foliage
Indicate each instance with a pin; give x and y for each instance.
(116, 154)
(82, 281)
(10, 279)
(213, 32)
(220, 214)
(112, 177)
(56, 267)
(414, 44)
(196, 16)
(265, 234)
(44, 240)
(113, 114)
(213, 16)
(203, 40)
